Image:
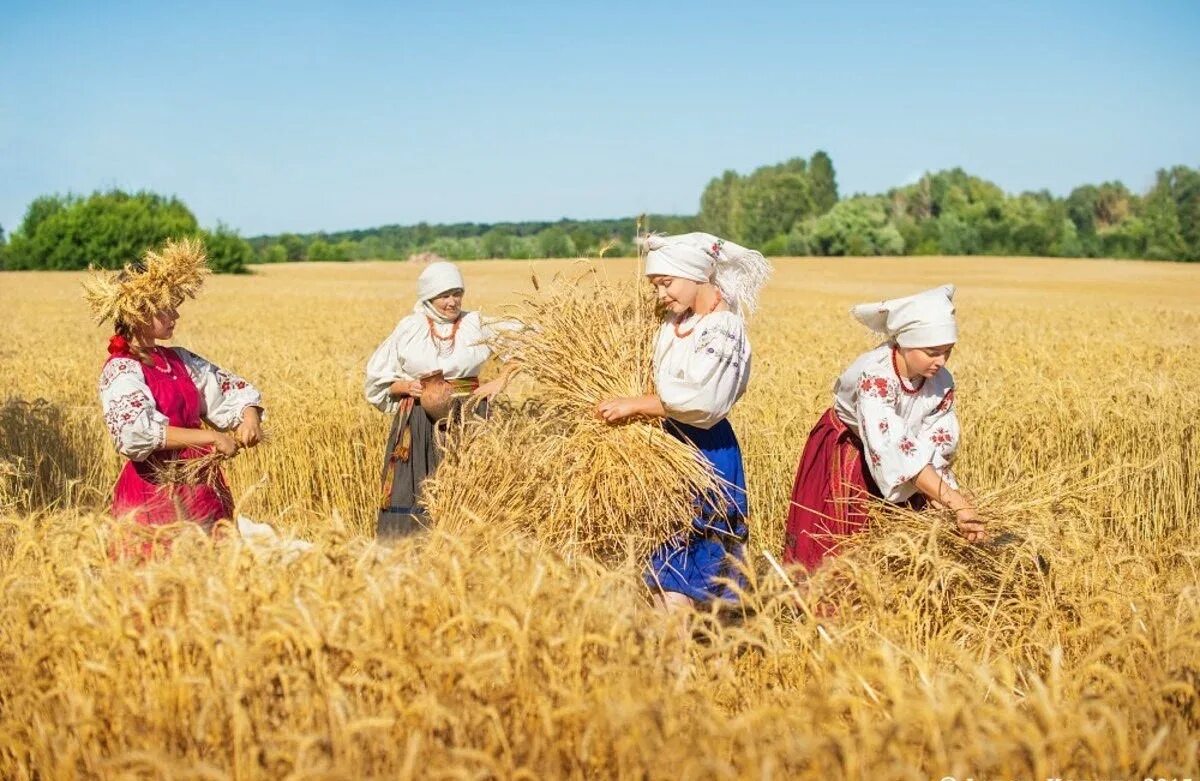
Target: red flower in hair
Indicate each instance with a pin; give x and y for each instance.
(118, 345)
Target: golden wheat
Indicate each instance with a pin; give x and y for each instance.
(550, 468)
(486, 655)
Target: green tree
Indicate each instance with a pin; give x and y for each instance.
(345, 250)
(293, 245)
(1068, 244)
(228, 253)
(274, 253)
(772, 200)
(1164, 230)
(319, 249)
(822, 182)
(555, 243)
(720, 210)
(523, 248)
(1127, 239)
(856, 226)
(106, 229)
(957, 236)
(497, 243)
(1173, 213)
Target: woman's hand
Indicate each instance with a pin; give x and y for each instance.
(942, 496)
(405, 388)
(489, 389)
(625, 407)
(224, 443)
(249, 431)
(618, 409)
(970, 525)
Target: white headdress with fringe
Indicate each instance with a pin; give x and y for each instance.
(738, 272)
(925, 319)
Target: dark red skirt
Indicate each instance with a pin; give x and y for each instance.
(830, 496)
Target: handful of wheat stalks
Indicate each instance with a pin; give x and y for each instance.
(550, 468)
(201, 470)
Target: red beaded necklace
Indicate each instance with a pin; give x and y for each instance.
(900, 377)
(436, 337)
(679, 320)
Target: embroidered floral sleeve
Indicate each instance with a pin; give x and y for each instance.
(940, 428)
(894, 457)
(712, 380)
(224, 396)
(136, 426)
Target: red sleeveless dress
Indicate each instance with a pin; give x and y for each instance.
(140, 492)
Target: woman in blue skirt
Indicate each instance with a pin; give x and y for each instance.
(707, 286)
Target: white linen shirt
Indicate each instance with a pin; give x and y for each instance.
(901, 432)
(410, 352)
(134, 423)
(700, 375)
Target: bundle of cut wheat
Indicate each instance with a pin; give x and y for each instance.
(927, 584)
(550, 467)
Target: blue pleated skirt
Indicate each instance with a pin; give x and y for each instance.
(702, 562)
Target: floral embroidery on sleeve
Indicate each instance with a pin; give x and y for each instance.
(941, 437)
(115, 368)
(229, 382)
(907, 447)
(947, 401)
(124, 411)
(875, 387)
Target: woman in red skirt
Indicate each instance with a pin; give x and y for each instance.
(157, 399)
(890, 435)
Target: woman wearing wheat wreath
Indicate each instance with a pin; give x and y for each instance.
(423, 371)
(156, 399)
(707, 286)
(891, 434)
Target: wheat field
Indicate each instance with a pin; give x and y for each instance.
(486, 656)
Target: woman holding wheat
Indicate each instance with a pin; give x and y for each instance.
(891, 434)
(156, 399)
(707, 286)
(419, 374)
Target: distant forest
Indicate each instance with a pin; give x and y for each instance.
(791, 208)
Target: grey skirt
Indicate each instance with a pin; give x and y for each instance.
(402, 511)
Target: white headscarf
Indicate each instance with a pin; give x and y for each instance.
(437, 278)
(738, 272)
(925, 319)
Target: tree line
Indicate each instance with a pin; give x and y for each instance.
(109, 229)
(790, 208)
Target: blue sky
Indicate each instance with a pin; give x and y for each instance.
(305, 116)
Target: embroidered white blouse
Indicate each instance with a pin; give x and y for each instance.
(901, 431)
(410, 352)
(137, 427)
(702, 374)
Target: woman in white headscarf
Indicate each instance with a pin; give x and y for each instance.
(701, 368)
(435, 352)
(891, 433)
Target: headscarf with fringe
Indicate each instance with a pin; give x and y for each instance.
(738, 272)
(925, 319)
(163, 279)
